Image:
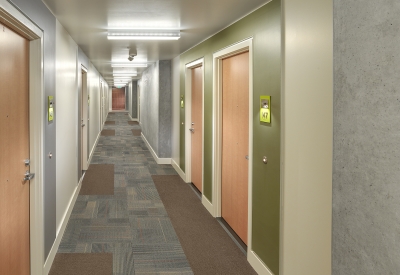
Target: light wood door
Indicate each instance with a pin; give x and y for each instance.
(14, 149)
(118, 99)
(235, 142)
(197, 132)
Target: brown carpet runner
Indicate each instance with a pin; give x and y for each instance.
(82, 264)
(98, 180)
(136, 133)
(207, 246)
(108, 133)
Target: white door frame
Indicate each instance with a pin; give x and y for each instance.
(84, 118)
(243, 46)
(16, 20)
(188, 121)
(138, 101)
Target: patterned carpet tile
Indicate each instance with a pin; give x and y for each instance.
(132, 224)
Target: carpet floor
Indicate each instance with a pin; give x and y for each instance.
(207, 246)
(132, 224)
(82, 264)
(107, 133)
(98, 180)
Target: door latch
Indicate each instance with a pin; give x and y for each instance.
(29, 176)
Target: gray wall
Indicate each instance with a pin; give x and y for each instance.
(155, 111)
(366, 161)
(134, 102)
(149, 100)
(127, 98)
(43, 18)
(165, 112)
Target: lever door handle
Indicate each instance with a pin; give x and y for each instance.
(191, 130)
(83, 124)
(28, 176)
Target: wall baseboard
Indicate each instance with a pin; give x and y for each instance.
(208, 205)
(56, 244)
(178, 170)
(257, 264)
(157, 159)
(93, 149)
(133, 119)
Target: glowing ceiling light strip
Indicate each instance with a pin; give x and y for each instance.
(128, 65)
(124, 74)
(144, 35)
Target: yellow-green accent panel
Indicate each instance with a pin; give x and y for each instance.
(264, 26)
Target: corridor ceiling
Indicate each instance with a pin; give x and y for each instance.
(88, 22)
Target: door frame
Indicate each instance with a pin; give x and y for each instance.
(240, 47)
(188, 119)
(13, 18)
(84, 108)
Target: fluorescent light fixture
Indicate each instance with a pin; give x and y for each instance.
(144, 35)
(128, 65)
(124, 74)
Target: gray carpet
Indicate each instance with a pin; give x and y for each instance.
(109, 123)
(207, 246)
(132, 224)
(133, 123)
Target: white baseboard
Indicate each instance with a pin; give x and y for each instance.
(208, 205)
(56, 244)
(157, 159)
(178, 170)
(133, 119)
(258, 264)
(93, 149)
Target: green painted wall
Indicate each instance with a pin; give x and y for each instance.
(264, 25)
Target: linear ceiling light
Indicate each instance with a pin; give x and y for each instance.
(124, 74)
(144, 35)
(127, 65)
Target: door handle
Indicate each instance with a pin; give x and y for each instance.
(191, 130)
(28, 176)
(83, 124)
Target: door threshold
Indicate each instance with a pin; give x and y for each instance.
(231, 233)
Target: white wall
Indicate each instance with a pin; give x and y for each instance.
(94, 106)
(66, 112)
(175, 110)
(306, 177)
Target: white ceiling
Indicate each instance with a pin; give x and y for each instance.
(88, 21)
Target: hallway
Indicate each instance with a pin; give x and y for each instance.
(130, 232)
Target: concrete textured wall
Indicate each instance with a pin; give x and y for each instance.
(176, 107)
(164, 115)
(366, 160)
(155, 110)
(149, 100)
(134, 103)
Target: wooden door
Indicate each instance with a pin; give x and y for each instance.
(14, 149)
(197, 132)
(118, 99)
(235, 142)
